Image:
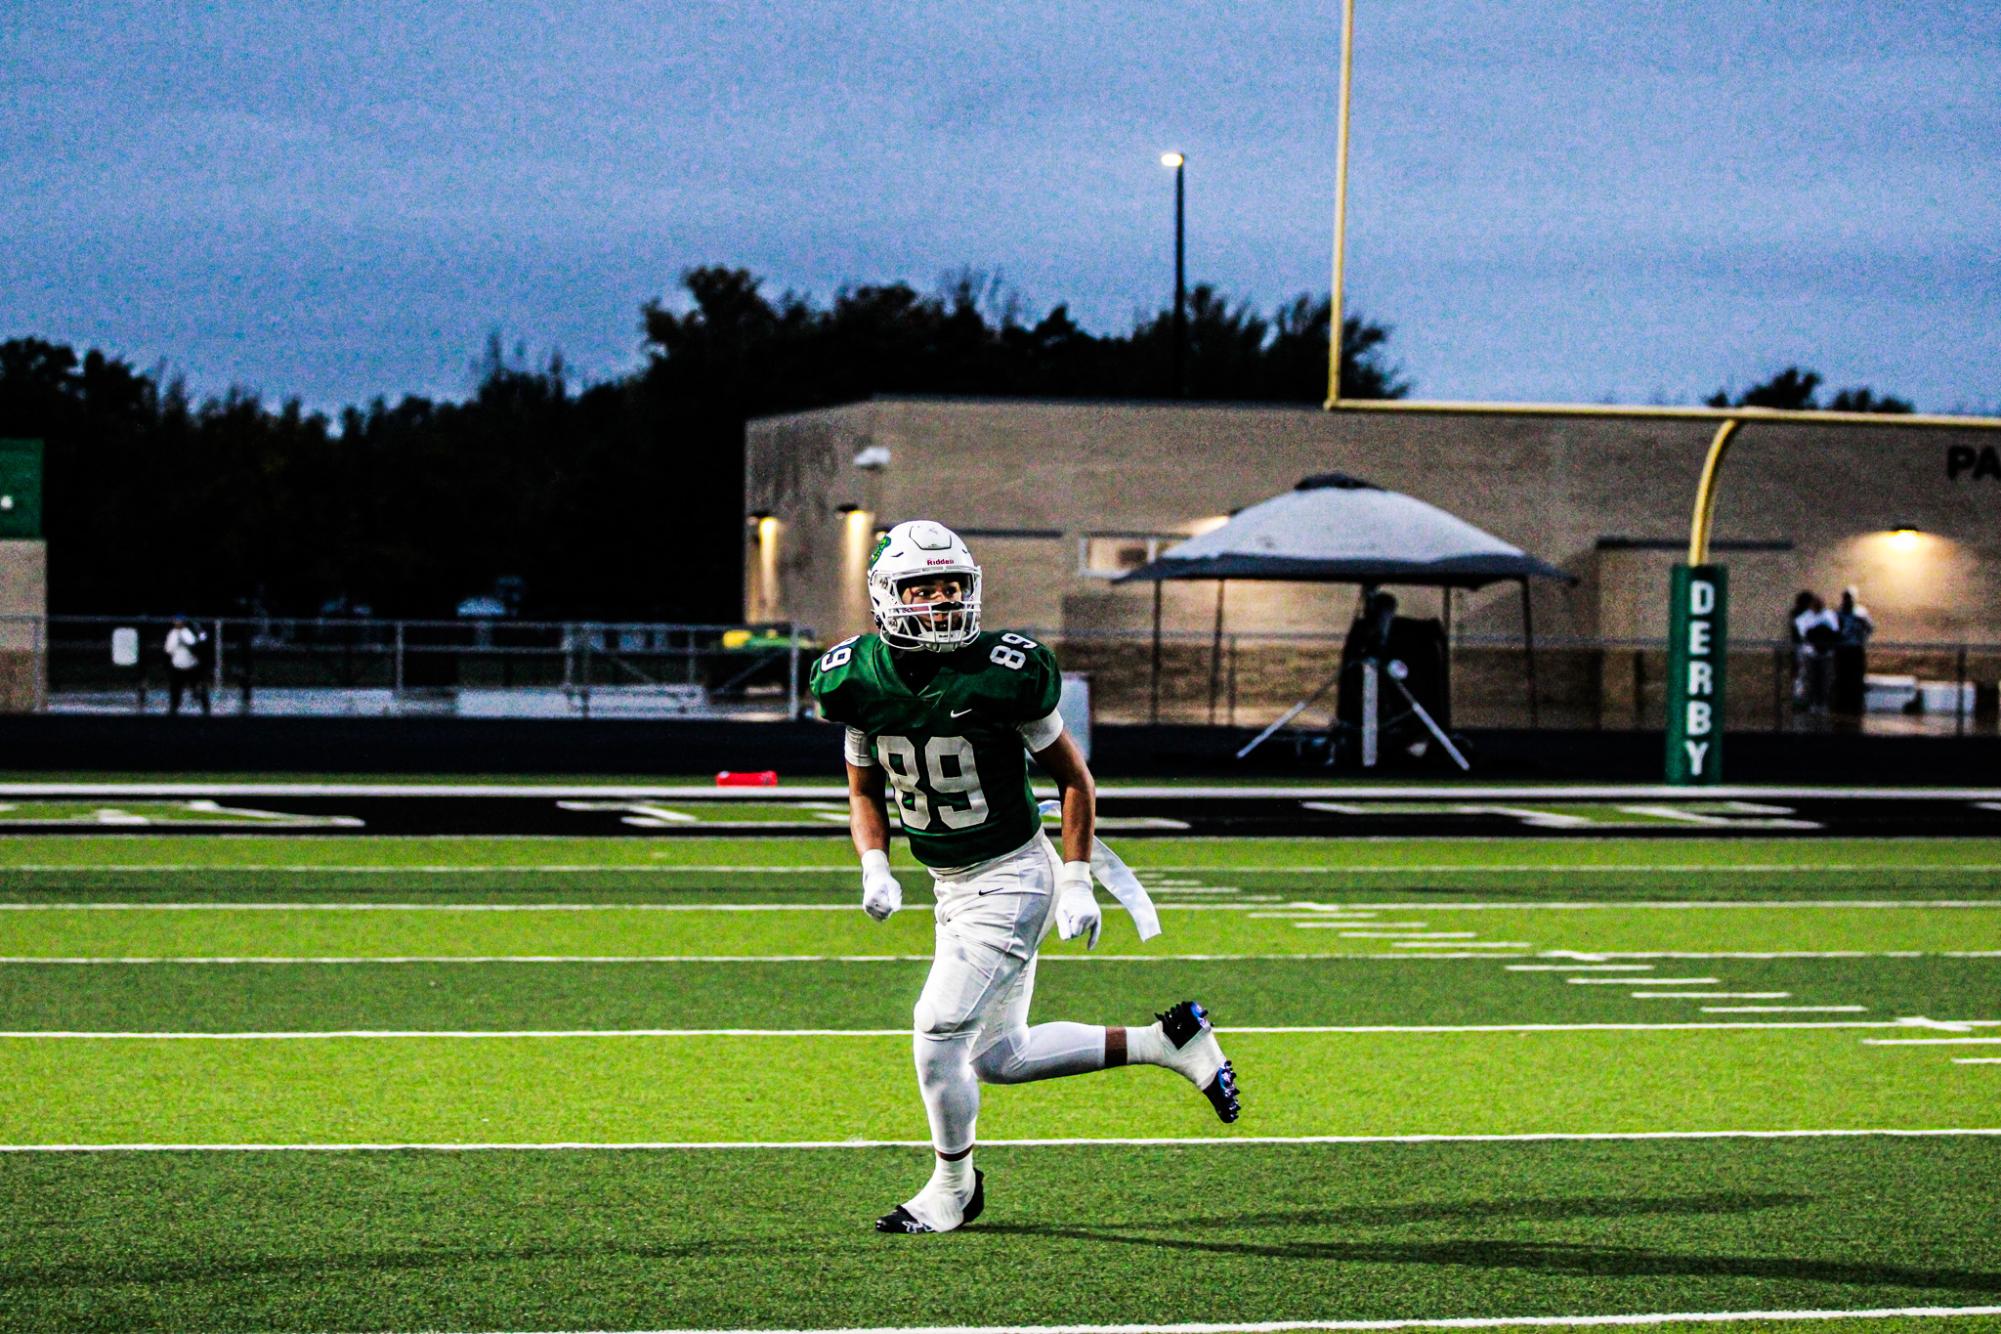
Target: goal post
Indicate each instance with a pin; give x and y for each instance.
(1698, 592)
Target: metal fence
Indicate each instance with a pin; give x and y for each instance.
(578, 669)
(470, 668)
(1247, 680)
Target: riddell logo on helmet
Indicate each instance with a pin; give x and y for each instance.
(946, 561)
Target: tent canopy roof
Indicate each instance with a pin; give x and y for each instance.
(1333, 528)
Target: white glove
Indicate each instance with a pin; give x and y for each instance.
(881, 895)
(1076, 907)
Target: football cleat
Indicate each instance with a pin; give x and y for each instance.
(1197, 1055)
(900, 1219)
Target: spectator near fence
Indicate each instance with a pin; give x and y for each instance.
(1853, 626)
(187, 665)
(1816, 630)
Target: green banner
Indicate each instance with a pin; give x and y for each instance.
(1698, 604)
(20, 489)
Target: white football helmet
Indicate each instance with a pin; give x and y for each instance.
(913, 551)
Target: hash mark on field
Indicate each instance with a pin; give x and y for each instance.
(1580, 968)
(1976, 1060)
(1403, 935)
(1784, 1009)
(1461, 945)
(1644, 981)
(1929, 1042)
(1710, 995)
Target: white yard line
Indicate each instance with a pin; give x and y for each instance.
(1462, 945)
(1440, 956)
(601, 868)
(1710, 995)
(296, 1035)
(1094, 957)
(1928, 1042)
(1699, 905)
(1211, 1141)
(1976, 1060)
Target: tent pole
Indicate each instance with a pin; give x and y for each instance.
(1528, 638)
(1216, 652)
(1445, 595)
(1153, 709)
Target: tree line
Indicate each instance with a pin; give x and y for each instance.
(614, 500)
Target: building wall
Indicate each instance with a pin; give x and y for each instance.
(24, 593)
(1817, 500)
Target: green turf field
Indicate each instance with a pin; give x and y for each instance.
(358, 1083)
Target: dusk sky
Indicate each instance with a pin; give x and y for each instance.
(1560, 201)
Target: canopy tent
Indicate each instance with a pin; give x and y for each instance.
(1332, 528)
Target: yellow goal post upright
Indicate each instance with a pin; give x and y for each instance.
(1698, 590)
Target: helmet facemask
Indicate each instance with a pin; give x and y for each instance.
(935, 625)
(907, 557)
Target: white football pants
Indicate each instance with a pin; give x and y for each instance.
(971, 1021)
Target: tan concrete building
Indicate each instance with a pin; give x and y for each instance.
(24, 605)
(1057, 497)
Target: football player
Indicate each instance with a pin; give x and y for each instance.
(946, 715)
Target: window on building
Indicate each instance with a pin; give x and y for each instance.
(1109, 555)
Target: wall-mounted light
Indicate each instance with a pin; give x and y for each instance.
(6, 503)
(1904, 536)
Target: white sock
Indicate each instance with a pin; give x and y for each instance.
(953, 1175)
(1148, 1046)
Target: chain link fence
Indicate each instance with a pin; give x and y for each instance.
(469, 668)
(578, 669)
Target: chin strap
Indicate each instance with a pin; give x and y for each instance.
(1113, 873)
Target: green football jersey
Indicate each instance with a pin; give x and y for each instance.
(950, 748)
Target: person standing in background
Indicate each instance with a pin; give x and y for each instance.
(186, 665)
(1852, 627)
(1818, 631)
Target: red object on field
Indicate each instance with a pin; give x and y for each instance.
(762, 778)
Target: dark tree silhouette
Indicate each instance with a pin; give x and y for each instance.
(1796, 389)
(615, 500)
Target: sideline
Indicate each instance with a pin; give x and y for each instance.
(717, 1146)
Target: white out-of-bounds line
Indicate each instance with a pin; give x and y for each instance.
(1237, 869)
(301, 1035)
(824, 791)
(1216, 1141)
(1638, 1320)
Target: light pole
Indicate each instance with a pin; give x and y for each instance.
(1179, 163)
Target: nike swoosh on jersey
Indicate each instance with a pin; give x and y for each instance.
(960, 713)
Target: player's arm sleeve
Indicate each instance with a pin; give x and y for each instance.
(1040, 723)
(858, 751)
